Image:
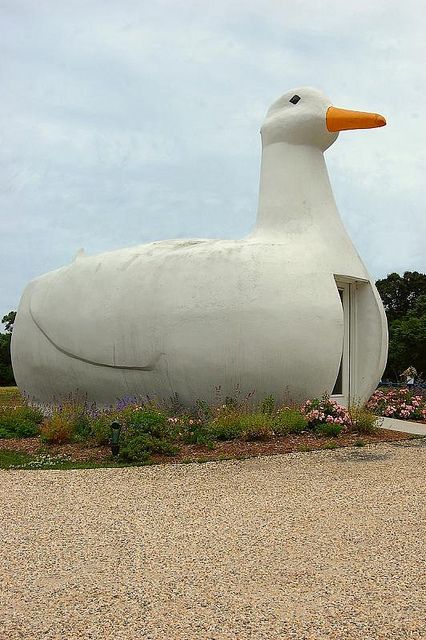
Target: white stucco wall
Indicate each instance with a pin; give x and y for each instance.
(185, 317)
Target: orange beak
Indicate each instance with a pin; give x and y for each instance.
(343, 119)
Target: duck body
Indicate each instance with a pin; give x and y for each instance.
(187, 317)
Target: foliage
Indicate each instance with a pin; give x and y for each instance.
(289, 420)
(407, 339)
(6, 372)
(137, 448)
(401, 403)
(363, 420)
(267, 405)
(19, 421)
(400, 293)
(404, 299)
(324, 410)
(151, 420)
(8, 321)
(328, 429)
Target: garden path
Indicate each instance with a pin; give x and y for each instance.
(327, 544)
(404, 426)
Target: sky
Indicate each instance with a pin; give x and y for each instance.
(127, 122)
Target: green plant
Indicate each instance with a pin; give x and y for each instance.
(226, 425)
(256, 426)
(329, 445)
(288, 420)
(303, 448)
(362, 419)
(203, 410)
(268, 405)
(359, 443)
(328, 430)
(67, 422)
(100, 429)
(139, 448)
(325, 410)
(19, 421)
(195, 432)
(14, 427)
(148, 420)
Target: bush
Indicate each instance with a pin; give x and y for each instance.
(268, 405)
(11, 427)
(398, 403)
(68, 422)
(362, 419)
(139, 448)
(225, 429)
(328, 430)
(195, 432)
(147, 420)
(289, 420)
(100, 429)
(19, 421)
(59, 427)
(325, 411)
(256, 426)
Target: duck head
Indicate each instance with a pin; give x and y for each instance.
(306, 116)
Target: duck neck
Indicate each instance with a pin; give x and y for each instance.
(295, 192)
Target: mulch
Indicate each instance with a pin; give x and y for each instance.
(222, 450)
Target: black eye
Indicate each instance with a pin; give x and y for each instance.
(295, 99)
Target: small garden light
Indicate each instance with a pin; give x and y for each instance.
(115, 437)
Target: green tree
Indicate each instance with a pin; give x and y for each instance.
(399, 293)
(404, 299)
(6, 371)
(8, 321)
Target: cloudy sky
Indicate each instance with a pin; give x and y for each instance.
(128, 121)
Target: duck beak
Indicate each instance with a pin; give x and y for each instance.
(343, 119)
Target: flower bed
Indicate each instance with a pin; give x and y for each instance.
(159, 432)
(402, 403)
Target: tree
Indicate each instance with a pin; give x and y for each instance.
(399, 294)
(6, 371)
(8, 321)
(404, 299)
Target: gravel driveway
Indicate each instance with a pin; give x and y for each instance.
(310, 546)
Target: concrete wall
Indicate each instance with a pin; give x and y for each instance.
(184, 317)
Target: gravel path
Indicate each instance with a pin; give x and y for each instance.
(306, 546)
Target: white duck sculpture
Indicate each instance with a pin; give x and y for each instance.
(186, 316)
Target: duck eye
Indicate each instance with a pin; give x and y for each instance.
(295, 99)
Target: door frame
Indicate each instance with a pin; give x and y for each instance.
(348, 286)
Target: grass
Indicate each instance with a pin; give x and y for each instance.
(18, 460)
(10, 396)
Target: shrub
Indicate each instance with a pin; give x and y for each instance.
(289, 420)
(398, 403)
(227, 428)
(268, 405)
(325, 411)
(362, 419)
(100, 428)
(328, 429)
(139, 448)
(256, 426)
(20, 421)
(147, 420)
(11, 427)
(359, 443)
(67, 422)
(59, 427)
(194, 431)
